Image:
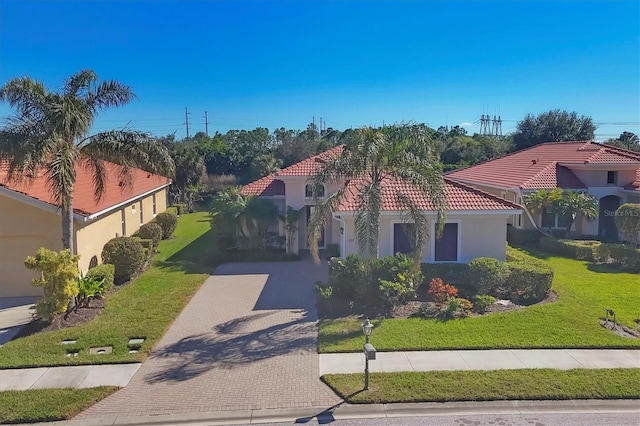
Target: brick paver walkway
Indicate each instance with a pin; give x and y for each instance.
(247, 340)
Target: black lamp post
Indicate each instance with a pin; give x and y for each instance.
(369, 350)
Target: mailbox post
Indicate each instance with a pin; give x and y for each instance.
(369, 350)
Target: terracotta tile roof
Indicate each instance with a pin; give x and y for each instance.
(460, 197)
(541, 166)
(83, 199)
(310, 165)
(635, 185)
(266, 187)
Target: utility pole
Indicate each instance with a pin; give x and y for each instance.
(206, 124)
(186, 120)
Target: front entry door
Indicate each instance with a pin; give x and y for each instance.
(321, 239)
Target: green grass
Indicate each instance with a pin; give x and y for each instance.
(144, 308)
(585, 290)
(41, 405)
(488, 385)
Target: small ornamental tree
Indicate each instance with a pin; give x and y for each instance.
(58, 278)
(627, 220)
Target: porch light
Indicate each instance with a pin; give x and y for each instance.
(367, 328)
(341, 230)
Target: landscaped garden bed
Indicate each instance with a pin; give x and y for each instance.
(143, 308)
(584, 292)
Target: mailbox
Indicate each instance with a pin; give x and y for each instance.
(369, 351)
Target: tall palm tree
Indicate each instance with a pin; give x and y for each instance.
(574, 204)
(49, 133)
(373, 156)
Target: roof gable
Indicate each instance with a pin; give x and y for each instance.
(84, 203)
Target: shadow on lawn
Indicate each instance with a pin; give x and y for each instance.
(603, 269)
(230, 346)
(196, 258)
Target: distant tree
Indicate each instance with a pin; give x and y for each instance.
(552, 126)
(627, 220)
(50, 133)
(264, 164)
(626, 140)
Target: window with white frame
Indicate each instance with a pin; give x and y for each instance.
(153, 207)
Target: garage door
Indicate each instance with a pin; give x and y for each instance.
(15, 279)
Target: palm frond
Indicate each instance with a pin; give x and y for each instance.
(79, 84)
(96, 168)
(321, 212)
(61, 174)
(367, 218)
(130, 149)
(413, 214)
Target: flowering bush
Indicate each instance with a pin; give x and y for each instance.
(441, 292)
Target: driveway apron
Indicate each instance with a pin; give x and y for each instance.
(247, 340)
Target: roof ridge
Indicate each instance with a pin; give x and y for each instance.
(625, 152)
(453, 181)
(312, 158)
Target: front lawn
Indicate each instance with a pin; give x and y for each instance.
(585, 290)
(46, 405)
(145, 308)
(494, 385)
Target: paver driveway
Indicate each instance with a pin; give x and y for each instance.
(247, 340)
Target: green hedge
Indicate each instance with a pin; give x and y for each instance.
(151, 231)
(621, 256)
(168, 222)
(529, 283)
(487, 274)
(574, 249)
(523, 237)
(451, 273)
(106, 272)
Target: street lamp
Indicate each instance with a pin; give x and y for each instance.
(369, 350)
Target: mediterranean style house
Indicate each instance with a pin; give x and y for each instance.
(475, 224)
(29, 219)
(610, 174)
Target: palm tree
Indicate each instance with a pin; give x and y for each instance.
(373, 156)
(574, 204)
(50, 133)
(541, 200)
(232, 212)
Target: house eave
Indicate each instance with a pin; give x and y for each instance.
(39, 204)
(94, 216)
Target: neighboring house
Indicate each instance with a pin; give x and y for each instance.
(610, 174)
(29, 219)
(475, 225)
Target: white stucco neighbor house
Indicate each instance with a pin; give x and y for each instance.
(475, 223)
(610, 174)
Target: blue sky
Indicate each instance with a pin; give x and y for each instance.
(278, 64)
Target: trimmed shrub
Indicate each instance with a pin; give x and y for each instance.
(573, 249)
(105, 273)
(487, 273)
(180, 208)
(529, 283)
(453, 273)
(627, 220)
(151, 231)
(168, 222)
(620, 256)
(523, 237)
(351, 280)
(456, 307)
(146, 243)
(89, 289)
(126, 254)
(482, 302)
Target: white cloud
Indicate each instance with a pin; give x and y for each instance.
(465, 124)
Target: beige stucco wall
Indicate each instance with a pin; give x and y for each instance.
(479, 236)
(92, 236)
(24, 228)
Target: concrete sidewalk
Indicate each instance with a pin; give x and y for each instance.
(15, 313)
(510, 359)
(81, 376)
(86, 376)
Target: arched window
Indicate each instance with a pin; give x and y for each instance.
(308, 191)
